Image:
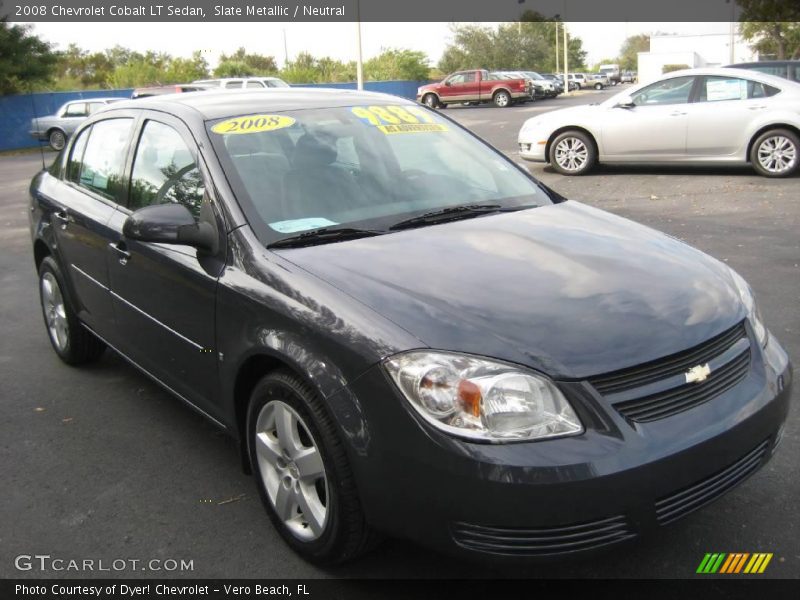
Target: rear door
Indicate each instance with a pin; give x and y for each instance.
(720, 118)
(92, 187)
(164, 295)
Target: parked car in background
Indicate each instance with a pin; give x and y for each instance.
(717, 116)
(611, 71)
(175, 88)
(628, 77)
(476, 86)
(571, 81)
(558, 82)
(56, 129)
(597, 81)
(229, 83)
(788, 69)
(579, 78)
(541, 87)
(401, 329)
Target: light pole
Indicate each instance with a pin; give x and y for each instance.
(359, 61)
(566, 65)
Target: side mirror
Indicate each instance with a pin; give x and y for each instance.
(169, 223)
(447, 83)
(625, 102)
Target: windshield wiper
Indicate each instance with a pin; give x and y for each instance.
(323, 236)
(452, 213)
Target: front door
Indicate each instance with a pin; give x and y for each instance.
(164, 295)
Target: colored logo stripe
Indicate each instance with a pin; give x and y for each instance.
(721, 562)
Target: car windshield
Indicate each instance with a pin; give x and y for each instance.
(366, 167)
(276, 83)
(533, 75)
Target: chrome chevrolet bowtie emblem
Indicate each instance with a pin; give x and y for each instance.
(698, 373)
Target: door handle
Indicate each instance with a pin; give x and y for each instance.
(123, 254)
(759, 107)
(677, 113)
(63, 217)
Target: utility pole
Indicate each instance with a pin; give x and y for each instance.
(557, 50)
(566, 65)
(285, 49)
(359, 60)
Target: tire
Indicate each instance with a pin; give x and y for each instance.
(572, 153)
(598, 86)
(776, 153)
(57, 139)
(331, 529)
(430, 100)
(73, 343)
(502, 99)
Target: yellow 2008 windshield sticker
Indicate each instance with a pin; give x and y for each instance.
(398, 119)
(253, 124)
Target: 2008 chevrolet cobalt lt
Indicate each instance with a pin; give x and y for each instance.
(406, 333)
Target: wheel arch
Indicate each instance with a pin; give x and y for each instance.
(430, 92)
(565, 128)
(40, 251)
(764, 129)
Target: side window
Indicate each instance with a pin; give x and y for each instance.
(104, 158)
(76, 109)
(718, 89)
(254, 84)
(233, 84)
(756, 89)
(456, 79)
(93, 107)
(164, 170)
(670, 91)
(471, 77)
(76, 156)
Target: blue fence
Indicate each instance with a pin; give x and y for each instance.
(16, 112)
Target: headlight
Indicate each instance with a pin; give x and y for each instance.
(482, 399)
(753, 313)
(528, 126)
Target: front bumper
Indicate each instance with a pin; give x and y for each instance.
(533, 147)
(551, 498)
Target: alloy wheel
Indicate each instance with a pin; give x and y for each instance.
(54, 311)
(57, 140)
(292, 470)
(777, 154)
(571, 154)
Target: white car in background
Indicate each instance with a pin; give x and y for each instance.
(716, 116)
(230, 83)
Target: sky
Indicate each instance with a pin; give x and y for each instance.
(337, 40)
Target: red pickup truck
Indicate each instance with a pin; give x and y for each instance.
(477, 85)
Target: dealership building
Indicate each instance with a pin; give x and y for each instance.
(704, 50)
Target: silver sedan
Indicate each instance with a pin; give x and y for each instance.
(716, 116)
(55, 129)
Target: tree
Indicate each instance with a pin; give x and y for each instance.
(527, 45)
(182, 70)
(247, 64)
(629, 53)
(674, 67)
(772, 27)
(25, 60)
(395, 64)
(305, 68)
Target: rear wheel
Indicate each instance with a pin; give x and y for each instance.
(502, 99)
(57, 139)
(598, 86)
(572, 153)
(776, 153)
(303, 475)
(73, 343)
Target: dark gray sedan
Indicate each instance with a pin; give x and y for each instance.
(56, 129)
(404, 331)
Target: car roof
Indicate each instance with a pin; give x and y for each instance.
(773, 80)
(229, 103)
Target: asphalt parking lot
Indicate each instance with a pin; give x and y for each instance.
(100, 463)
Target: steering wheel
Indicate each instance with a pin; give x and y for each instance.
(172, 182)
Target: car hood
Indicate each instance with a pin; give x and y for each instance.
(566, 289)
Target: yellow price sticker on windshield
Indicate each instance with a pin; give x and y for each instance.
(253, 124)
(398, 119)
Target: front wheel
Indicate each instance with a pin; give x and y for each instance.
(598, 86)
(775, 153)
(572, 153)
(502, 99)
(302, 471)
(430, 100)
(72, 342)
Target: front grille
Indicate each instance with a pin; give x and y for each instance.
(681, 398)
(544, 541)
(646, 373)
(681, 503)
